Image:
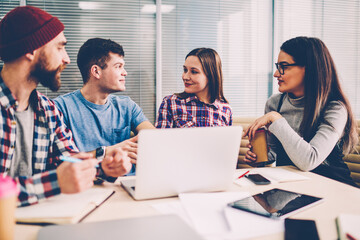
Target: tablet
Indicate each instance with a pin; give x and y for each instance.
(276, 203)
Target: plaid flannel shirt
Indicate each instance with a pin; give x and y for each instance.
(51, 139)
(177, 112)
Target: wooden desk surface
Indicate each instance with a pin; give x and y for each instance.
(339, 198)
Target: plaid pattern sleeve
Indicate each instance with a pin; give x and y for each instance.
(165, 119)
(37, 187)
(61, 136)
(51, 138)
(178, 112)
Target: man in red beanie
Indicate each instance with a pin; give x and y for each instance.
(32, 132)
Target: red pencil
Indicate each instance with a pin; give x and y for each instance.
(243, 174)
(350, 237)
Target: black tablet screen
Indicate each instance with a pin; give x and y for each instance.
(275, 203)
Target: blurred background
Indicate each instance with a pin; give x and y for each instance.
(246, 33)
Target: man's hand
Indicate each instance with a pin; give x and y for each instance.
(129, 146)
(116, 162)
(77, 177)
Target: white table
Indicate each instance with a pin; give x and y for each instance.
(339, 198)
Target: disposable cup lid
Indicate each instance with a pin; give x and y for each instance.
(7, 187)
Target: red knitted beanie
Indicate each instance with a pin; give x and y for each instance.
(25, 29)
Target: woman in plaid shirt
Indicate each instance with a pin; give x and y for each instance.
(202, 104)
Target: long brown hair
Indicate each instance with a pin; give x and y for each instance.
(321, 86)
(211, 64)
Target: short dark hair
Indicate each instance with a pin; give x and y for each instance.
(95, 51)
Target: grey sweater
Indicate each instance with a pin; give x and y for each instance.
(305, 155)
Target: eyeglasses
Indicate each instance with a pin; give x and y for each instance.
(281, 67)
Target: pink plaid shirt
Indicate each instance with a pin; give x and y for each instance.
(177, 112)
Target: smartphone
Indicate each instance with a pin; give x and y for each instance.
(296, 229)
(257, 179)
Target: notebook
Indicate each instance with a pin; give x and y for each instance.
(348, 226)
(161, 227)
(63, 208)
(173, 161)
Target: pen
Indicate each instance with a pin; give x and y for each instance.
(350, 237)
(73, 160)
(243, 174)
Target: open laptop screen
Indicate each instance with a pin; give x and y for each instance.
(173, 161)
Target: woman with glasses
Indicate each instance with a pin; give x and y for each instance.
(310, 122)
(202, 104)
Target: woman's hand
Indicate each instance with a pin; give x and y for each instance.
(265, 120)
(250, 157)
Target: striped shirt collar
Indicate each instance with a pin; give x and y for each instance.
(7, 100)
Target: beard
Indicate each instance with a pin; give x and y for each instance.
(47, 77)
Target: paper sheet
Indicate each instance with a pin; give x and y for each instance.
(246, 225)
(173, 207)
(275, 175)
(348, 224)
(209, 215)
(206, 210)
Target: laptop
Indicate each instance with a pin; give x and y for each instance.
(161, 227)
(173, 161)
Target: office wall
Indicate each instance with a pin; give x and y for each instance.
(246, 33)
(335, 22)
(241, 33)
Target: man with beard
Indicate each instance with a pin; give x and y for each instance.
(32, 133)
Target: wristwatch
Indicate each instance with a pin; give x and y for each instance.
(101, 176)
(100, 153)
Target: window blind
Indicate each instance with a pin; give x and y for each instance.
(336, 23)
(5, 7)
(120, 21)
(240, 31)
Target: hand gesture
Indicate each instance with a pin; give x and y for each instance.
(130, 146)
(116, 162)
(77, 177)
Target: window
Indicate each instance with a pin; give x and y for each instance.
(247, 34)
(337, 23)
(5, 7)
(240, 31)
(121, 21)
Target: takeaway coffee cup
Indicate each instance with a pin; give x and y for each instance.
(8, 199)
(259, 147)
